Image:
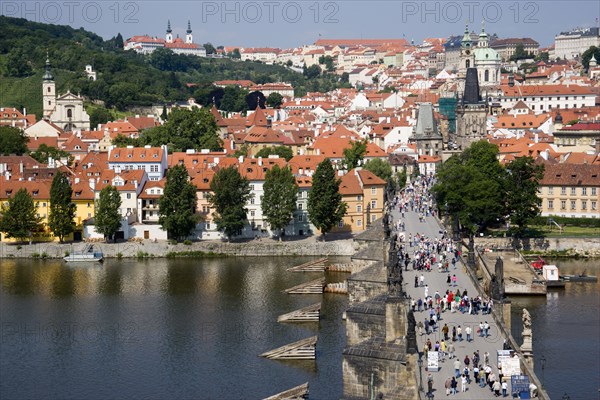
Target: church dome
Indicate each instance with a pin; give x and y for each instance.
(486, 54)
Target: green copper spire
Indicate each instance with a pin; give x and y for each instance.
(48, 74)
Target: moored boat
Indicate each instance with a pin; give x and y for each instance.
(87, 255)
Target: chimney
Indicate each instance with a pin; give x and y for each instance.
(318, 152)
(93, 184)
(76, 181)
(260, 161)
(24, 111)
(21, 167)
(216, 160)
(135, 183)
(536, 138)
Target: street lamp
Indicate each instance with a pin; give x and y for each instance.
(543, 361)
(420, 362)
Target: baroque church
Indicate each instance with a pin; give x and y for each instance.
(65, 111)
(480, 56)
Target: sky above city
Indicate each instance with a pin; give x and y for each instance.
(288, 24)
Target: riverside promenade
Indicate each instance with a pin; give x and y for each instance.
(436, 281)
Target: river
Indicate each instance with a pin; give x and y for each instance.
(566, 332)
(159, 329)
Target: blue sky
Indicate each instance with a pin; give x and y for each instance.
(294, 23)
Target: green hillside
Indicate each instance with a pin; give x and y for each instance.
(125, 78)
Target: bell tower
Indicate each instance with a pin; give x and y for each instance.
(48, 91)
(188, 36)
(169, 37)
(467, 60)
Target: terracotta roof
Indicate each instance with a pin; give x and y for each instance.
(545, 90)
(37, 189)
(136, 154)
(571, 175)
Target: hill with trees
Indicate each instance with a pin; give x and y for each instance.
(125, 79)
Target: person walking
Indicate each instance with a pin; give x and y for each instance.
(463, 383)
(486, 358)
(429, 384)
(445, 330)
(420, 328)
(459, 333)
(448, 385)
(416, 281)
(480, 329)
(504, 389)
(454, 334)
(453, 385)
(422, 280)
(454, 280)
(443, 349)
(496, 388)
(456, 368)
(468, 333)
(486, 329)
(450, 350)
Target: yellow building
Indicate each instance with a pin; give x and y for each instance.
(83, 197)
(40, 192)
(570, 190)
(362, 191)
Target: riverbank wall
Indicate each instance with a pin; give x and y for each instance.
(149, 249)
(565, 246)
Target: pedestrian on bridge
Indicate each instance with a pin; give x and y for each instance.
(468, 333)
(454, 279)
(445, 330)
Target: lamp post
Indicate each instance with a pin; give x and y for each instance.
(543, 361)
(368, 215)
(420, 362)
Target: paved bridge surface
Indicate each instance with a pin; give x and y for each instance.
(436, 281)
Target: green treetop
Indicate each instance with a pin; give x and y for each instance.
(178, 204)
(61, 218)
(18, 218)
(230, 193)
(279, 201)
(107, 217)
(325, 205)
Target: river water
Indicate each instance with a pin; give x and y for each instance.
(566, 332)
(159, 329)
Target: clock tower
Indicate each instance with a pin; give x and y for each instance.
(467, 59)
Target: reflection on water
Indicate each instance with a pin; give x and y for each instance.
(161, 329)
(566, 332)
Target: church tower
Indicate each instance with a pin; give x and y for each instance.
(169, 37)
(467, 60)
(48, 91)
(471, 113)
(188, 36)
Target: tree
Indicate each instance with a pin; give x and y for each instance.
(312, 72)
(12, 141)
(255, 99)
(61, 218)
(119, 41)
(328, 62)
(99, 115)
(230, 193)
(275, 100)
(325, 205)
(210, 49)
(379, 167)
(186, 129)
(235, 54)
(519, 53)
(164, 115)
(19, 219)
(470, 186)
(355, 154)
(107, 217)
(44, 152)
(522, 184)
(281, 151)
(587, 56)
(177, 205)
(289, 63)
(279, 200)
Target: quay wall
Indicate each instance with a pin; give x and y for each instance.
(582, 247)
(341, 247)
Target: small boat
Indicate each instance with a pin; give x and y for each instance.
(552, 277)
(581, 278)
(87, 255)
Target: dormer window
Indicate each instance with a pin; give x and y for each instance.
(142, 155)
(35, 192)
(154, 155)
(116, 156)
(129, 156)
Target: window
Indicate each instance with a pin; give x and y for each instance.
(593, 191)
(584, 191)
(43, 204)
(550, 204)
(252, 200)
(584, 204)
(252, 187)
(563, 190)
(300, 218)
(299, 206)
(573, 191)
(593, 205)
(69, 113)
(358, 208)
(129, 195)
(550, 190)
(359, 197)
(563, 204)
(89, 205)
(373, 190)
(208, 225)
(373, 218)
(486, 75)
(341, 224)
(154, 168)
(252, 213)
(373, 204)
(359, 222)
(573, 204)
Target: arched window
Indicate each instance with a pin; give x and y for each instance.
(486, 75)
(49, 89)
(69, 113)
(468, 64)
